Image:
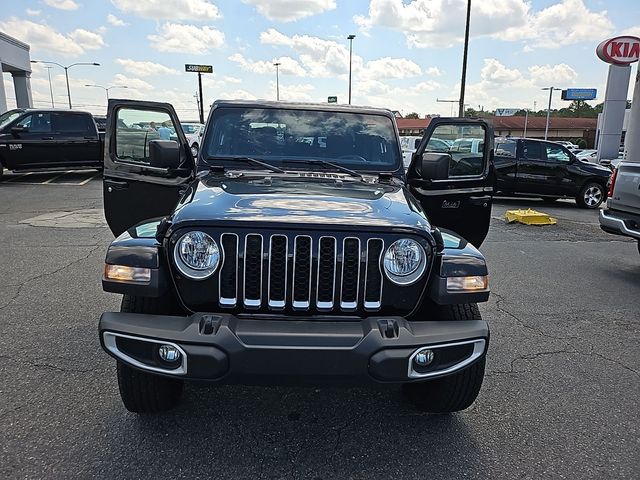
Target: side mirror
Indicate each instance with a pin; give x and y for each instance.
(434, 166)
(164, 154)
(605, 162)
(18, 130)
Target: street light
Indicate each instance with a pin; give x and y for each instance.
(66, 72)
(350, 38)
(277, 65)
(546, 128)
(53, 105)
(106, 89)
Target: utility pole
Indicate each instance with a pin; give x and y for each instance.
(464, 61)
(201, 101)
(526, 120)
(350, 38)
(277, 65)
(546, 128)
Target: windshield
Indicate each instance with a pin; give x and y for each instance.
(10, 116)
(354, 140)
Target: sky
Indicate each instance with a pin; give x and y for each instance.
(406, 54)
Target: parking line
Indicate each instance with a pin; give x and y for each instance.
(88, 179)
(20, 176)
(53, 178)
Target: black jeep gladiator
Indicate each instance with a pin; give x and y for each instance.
(295, 250)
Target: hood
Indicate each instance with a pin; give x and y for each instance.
(594, 168)
(302, 202)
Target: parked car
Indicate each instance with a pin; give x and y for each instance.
(410, 144)
(101, 122)
(590, 156)
(622, 215)
(548, 170)
(193, 132)
(273, 257)
(568, 145)
(42, 139)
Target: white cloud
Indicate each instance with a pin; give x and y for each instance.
(232, 80)
(434, 71)
(42, 37)
(131, 83)
(115, 21)
(388, 67)
(320, 57)
(438, 23)
(290, 10)
(288, 66)
(556, 75)
(293, 93)
(145, 69)
(198, 10)
(496, 72)
(62, 4)
(563, 23)
(175, 37)
(237, 95)
(33, 13)
(88, 40)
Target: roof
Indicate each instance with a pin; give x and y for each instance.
(325, 107)
(538, 123)
(412, 123)
(506, 123)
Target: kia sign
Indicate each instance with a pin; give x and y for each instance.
(579, 94)
(198, 68)
(619, 50)
(506, 112)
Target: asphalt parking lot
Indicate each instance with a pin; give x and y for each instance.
(560, 398)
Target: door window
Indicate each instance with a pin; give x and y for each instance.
(72, 123)
(136, 128)
(532, 150)
(506, 149)
(465, 146)
(36, 123)
(556, 153)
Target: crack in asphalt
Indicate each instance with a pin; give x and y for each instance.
(499, 305)
(22, 284)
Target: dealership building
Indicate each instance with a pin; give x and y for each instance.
(15, 59)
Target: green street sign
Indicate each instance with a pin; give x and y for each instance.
(332, 99)
(198, 68)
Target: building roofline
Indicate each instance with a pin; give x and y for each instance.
(14, 41)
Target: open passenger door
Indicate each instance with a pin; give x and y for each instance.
(147, 162)
(452, 176)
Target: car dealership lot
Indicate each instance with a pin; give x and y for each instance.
(560, 397)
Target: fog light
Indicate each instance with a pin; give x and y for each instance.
(468, 284)
(169, 353)
(424, 357)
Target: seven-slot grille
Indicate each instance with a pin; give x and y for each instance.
(301, 272)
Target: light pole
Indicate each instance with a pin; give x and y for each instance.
(350, 38)
(277, 65)
(106, 89)
(546, 128)
(526, 120)
(464, 62)
(53, 105)
(66, 72)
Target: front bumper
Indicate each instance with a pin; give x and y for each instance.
(228, 349)
(618, 223)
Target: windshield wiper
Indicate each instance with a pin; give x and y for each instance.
(254, 161)
(324, 163)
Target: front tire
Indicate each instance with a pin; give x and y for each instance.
(454, 392)
(143, 392)
(591, 195)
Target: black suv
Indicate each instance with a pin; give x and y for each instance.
(294, 250)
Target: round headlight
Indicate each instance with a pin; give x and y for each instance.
(404, 261)
(196, 255)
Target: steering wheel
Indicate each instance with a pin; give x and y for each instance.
(352, 156)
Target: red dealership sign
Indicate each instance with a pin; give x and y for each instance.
(619, 50)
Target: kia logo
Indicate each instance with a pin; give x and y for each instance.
(619, 50)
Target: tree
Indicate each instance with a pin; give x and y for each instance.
(412, 115)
